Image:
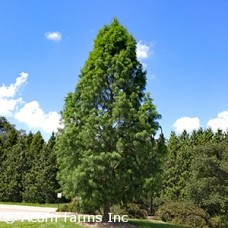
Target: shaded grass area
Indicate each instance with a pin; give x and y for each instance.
(61, 223)
(153, 224)
(53, 205)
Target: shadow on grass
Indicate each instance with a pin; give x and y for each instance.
(60, 224)
(153, 224)
(67, 224)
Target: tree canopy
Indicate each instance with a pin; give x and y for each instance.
(105, 150)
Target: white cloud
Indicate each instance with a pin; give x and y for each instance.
(12, 105)
(21, 80)
(186, 123)
(220, 122)
(8, 99)
(7, 106)
(10, 91)
(143, 50)
(32, 115)
(54, 36)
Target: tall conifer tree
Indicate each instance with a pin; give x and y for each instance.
(109, 124)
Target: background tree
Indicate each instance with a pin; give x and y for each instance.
(106, 147)
(46, 180)
(28, 166)
(177, 166)
(153, 184)
(208, 187)
(10, 179)
(32, 191)
(196, 171)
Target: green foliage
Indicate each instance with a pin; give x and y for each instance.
(11, 163)
(177, 166)
(47, 170)
(158, 202)
(153, 185)
(83, 207)
(219, 221)
(208, 186)
(196, 170)
(79, 206)
(27, 166)
(183, 213)
(134, 210)
(105, 150)
(40, 184)
(182, 154)
(32, 191)
(64, 208)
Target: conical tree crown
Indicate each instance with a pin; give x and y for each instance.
(106, 146)
(111, 73)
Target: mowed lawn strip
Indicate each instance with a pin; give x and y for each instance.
(31, 204)
(62, 223)
(153, 224)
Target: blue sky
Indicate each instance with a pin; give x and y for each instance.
(183, 45)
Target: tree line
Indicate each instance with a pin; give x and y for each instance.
(195, 174)
(188, 169)
(27, 166)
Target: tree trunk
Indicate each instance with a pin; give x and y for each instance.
(106, 212)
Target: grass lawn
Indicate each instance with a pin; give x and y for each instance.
(31, 204)
(62, 224)
(153, 224)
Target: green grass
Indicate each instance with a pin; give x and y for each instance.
(61, 223)
(32, 204)
(153, 224)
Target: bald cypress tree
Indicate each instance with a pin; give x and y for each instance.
(109, 125)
